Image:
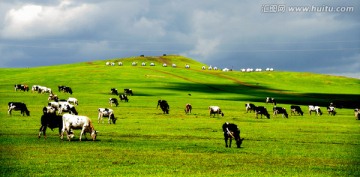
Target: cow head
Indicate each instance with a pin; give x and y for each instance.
(113, 119)
(239, 142)
(27, 112)
(93, 135)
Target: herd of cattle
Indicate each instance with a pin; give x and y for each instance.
(53, 118)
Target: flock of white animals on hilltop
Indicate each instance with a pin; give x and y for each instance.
(188, 66)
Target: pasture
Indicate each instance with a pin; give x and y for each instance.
(146, 142)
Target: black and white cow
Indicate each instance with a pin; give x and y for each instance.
(316, 109)
(73, 101)
(67, 108)
(21, 87)
(331, 110)
(49, 110)
(123, 97)
(357, 113)
(106, 112)
(215, 110)
(270, 100)
(295, 109)
(74, 122)
(53, 97)
(114, 91)
(249, 107)
(231, 131)
(128, 91)
(17, 106)
(113, 101)
(164, 106)
(65, 89)
(43, 89)
(262, 111)
(52, 121)
(280, 110)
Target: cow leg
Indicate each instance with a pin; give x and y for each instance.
(82, 132)
(42, 130)
(230, 140)
(226, 139)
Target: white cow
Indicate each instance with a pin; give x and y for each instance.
(74, 122)
(106, 112)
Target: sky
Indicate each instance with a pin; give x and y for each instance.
(320, 36)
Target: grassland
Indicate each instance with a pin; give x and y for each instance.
(145, 142)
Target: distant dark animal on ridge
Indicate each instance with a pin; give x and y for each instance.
(262, 111)
(128, 91)
(17, 106)
(188, 108)
(21, 87)
(270, 100)
(215, 110)
(296, 110)
(113, 101)
(249, 107)
(123, 97)
(232, 131)
(52, 121)
(280, 110)
(164, 106)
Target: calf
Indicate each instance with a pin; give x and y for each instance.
(249, 107)
(231, 131)
(315, 109)
(17, 106)
(280, 110)
(296, 110)
(331, 110)
(215, 110)
(21, 87)
(74, 122)
(164, 106)
(52, 121)
(262, 111)
(106, 112)
(123, 97)
(113, 101)
(188, 108)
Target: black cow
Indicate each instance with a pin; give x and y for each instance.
(123, 97)
(262, 111)
(113, 101)
(52, 121)
(21, 87)
(296, 110)
(232, 131)
(17, 106)
(164, 106)
(280, 110)
(65, 89)
(249, 107)
(128, 91)
(114, 91)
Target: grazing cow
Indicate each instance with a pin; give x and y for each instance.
(249, 107)
(74, 122)
(73, 101)
(143, 64)
(66, 107)
(128, 91)
(270, 100)
(280, 110)
(114, 91)
(53, 97)
(52, 121)
(21, 87)
(357, 113)
(188, 108)
(49, 110)
(173, 65)
(164, 106)
(215, 110)
(120, 63)
(296, 110)
(106, 112)
(152, 64)
(65, 89)
(164, 65)
(203, 67)
(17, 106)
(262, 111)
(42, 89)
(331, 110)
(123, 97)
(232, 131)
(315, 109)
(113, 101)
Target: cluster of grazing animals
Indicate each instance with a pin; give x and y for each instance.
(295, 109)
(215, 110)
(270, 100)
(164, 106)
(17, 106)
(231, 131)
(262, 111)
(128, 91)
(21, 87)
(106, 112)
(123, 97)
(73, 101)
(315, 109)
(331, 110)
(52, 121)
(249, 107)
(113, 101)
(188, 108)
(53, 97)
(65, 89)
(357, 113)
(114, 91)
(75, 122)
(280, 110)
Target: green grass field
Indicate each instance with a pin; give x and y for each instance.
(146, 142)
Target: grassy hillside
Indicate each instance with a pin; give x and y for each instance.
(146, 142)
